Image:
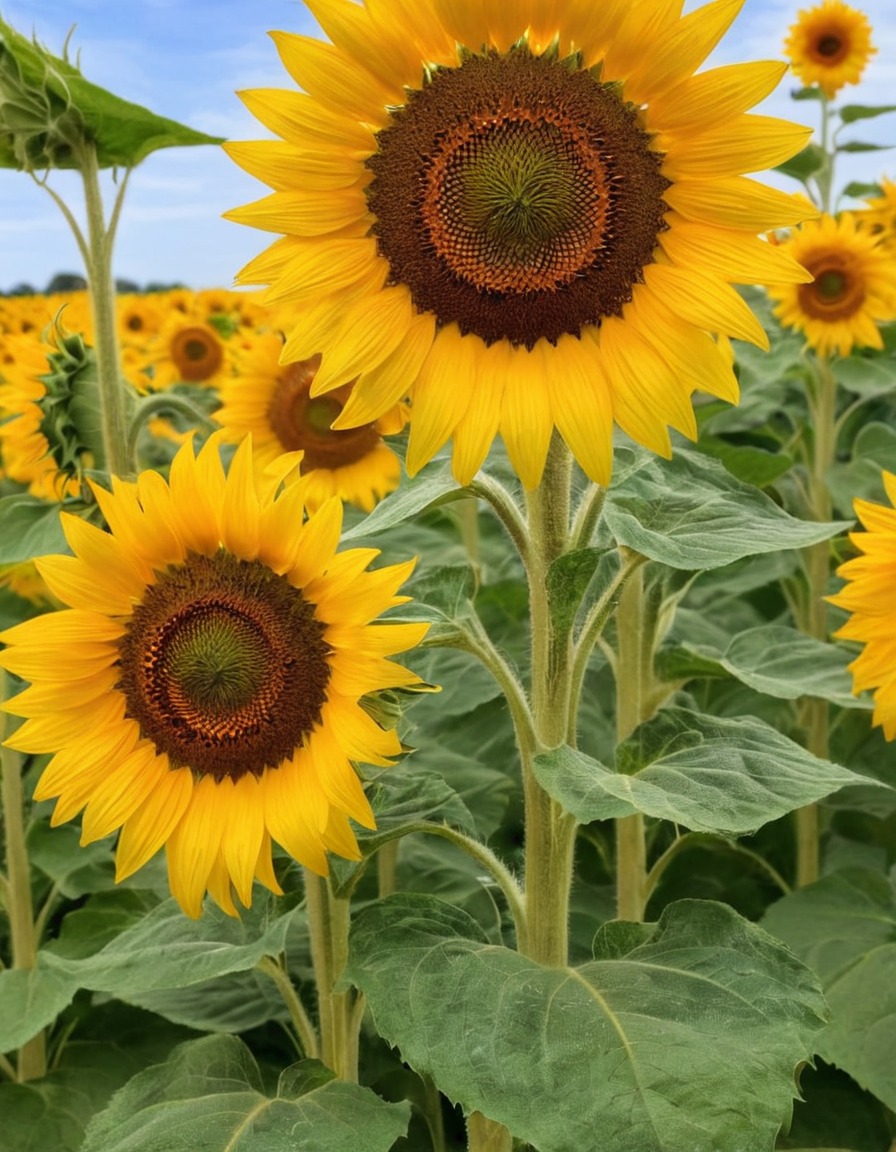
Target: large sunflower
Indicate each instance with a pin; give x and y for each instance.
(829, 45)
(203, 690)
(852, 291)
(272, 402)
(521, 214)
(868, 596)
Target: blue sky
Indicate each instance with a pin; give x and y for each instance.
(186, 58)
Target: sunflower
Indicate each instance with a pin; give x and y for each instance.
(854, 286)
(203, 689)
(868, 596)
(829, 45)
(520, 214)
(879, 218)
(187, 349)
(273, 402)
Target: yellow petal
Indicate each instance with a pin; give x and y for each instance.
(580, 402)
(737, 202)
(442, 393)
(706, 302)
(193, 846)
(717, 95)
(148, 828)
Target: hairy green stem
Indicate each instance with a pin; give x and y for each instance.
(305, 1031)
(506, 509)
(386, 867)
(587, 516)
(328, 923)
(550, 831)
(32, 1056)
(113, 397)
(635, 627)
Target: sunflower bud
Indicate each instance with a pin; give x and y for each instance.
(40, 126)
(71, 404)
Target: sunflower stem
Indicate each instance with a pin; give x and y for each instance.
(328, 922)
(113, 399)
(506, 509)
(636, 628)
(305, 1030)
(815, 713)
(468, 520)
(550, 831)
(386, 867)
(587, 516)
(161, 404)
(32, 1056)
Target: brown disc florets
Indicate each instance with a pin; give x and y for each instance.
(836, 293)
(300, 421)
(517, 196)
(224, 666)
(196, 352)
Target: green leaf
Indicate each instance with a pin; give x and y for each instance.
(208, 1097)
(844, 926)
(109, 1046)
(690, 513)
(232, 1003)
(402, 798)
(866, 376)
(805, 163)
(750, 464)
(57, 852)
(855, 146)
(432, 486)
(777, 661)
(849, 113)
(29, 1001)
(710, 774)
(61, 109)
(688, 1040)
(813, 93)
(567, 582)
(859, 191)
(30, 527)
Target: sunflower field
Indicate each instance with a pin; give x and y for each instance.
(448, 678)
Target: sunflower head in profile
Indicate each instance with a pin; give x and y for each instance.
(853, 288)
(202, 690)
(868, 597)
(520, 215)
(829, 45)
(273, 402)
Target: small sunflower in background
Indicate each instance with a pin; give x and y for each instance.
(187, 350)
(868, 597)
(273, 402)
(521, 216)
(853, 289)
(202, 691)
(879, 218)
(829, 45)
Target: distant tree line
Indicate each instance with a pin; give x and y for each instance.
(74, 282)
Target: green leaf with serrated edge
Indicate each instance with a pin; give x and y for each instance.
(856, 146)
(442, 593)
(777, 661)
(711, 774)
(690, 513)
(835, 1115)
(844, 926)
(400, 798)
(431, 486)
(109, 1045)
(749, 464)
(124, 133)
(689, 1040)
(209, 1097)
(849, 113)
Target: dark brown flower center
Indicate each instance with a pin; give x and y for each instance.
(302, 422)
(197, 353)
(224, 666)
(836, 293)
(831, 47)
(517, 196)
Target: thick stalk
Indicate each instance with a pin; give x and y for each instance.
(32, 1056)
(386, 868)
(328, 923)
(307, 1037)
(113, 398)
(815, 713)
(634, 680)
(550, 832)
